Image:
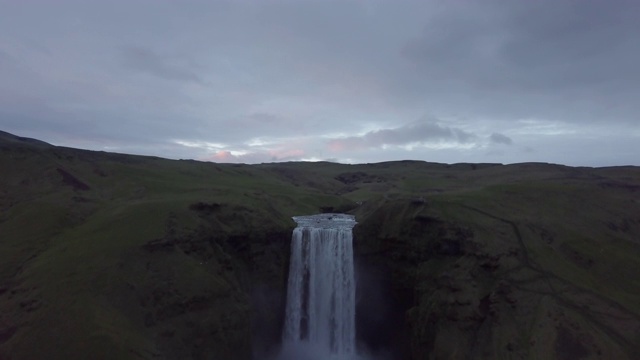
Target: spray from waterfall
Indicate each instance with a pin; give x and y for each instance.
(320, 311)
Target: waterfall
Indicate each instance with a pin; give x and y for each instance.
(320, 312)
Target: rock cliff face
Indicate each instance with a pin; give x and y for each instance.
(477, 284)
(113, 256)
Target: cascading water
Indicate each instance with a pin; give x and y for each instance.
(320, 312)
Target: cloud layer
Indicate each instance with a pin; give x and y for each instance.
(419, 133)
(354, 81)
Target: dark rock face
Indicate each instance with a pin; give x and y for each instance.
(393, 249)
(236, 321)
(380, 310)
(568, 346)
(6, 333)
(350, 178)
(456, 293)
(72, 181)
(185, 317)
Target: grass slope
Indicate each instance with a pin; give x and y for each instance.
(112, 256)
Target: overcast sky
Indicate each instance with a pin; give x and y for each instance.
(349, 81)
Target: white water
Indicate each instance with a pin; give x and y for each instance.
(320, 312)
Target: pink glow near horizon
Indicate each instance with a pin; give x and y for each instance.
(281, 154)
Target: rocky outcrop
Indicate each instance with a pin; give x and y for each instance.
(474, 286)
(239, 315)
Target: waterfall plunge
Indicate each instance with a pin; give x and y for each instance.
(320, 312)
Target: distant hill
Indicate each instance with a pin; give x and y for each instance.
(7, 139)
(114, 256)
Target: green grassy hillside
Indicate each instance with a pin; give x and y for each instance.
(112, 256)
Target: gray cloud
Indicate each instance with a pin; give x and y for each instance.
(5, 59)
(531, 58)
(283, 79)
(418, 132)
(147, 61)
(260, 124)
(500, 139)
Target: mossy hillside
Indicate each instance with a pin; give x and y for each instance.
(117, 237)
(488, 258)
(142, 257)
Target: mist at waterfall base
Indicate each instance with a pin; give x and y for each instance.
(321, 293)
